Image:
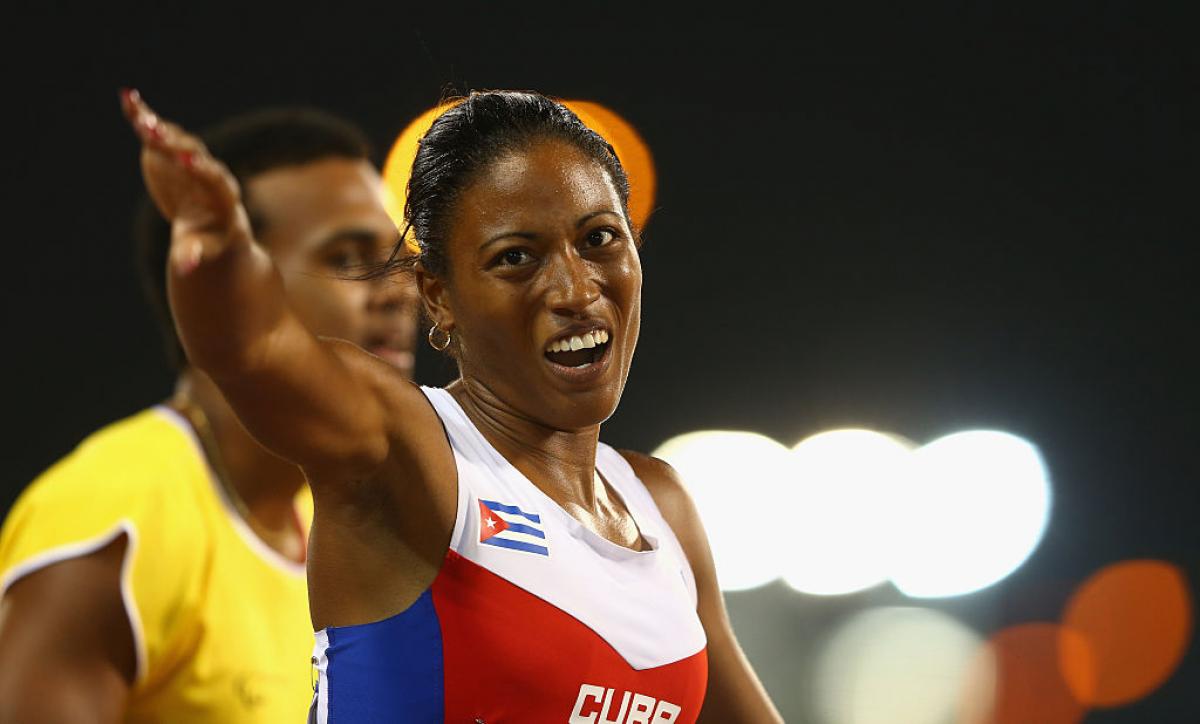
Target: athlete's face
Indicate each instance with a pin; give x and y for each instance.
(540, 255)
(320, 221)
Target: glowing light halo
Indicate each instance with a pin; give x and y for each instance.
(1136, 619)
(842, 503)
(736, 480)
(854, 508)
(976, 507)
(1014, 677)
(630, 148)
(893, 664)
(398, 167)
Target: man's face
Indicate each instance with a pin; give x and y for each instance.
(321, 221)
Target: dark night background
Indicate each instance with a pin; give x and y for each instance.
(913, 220)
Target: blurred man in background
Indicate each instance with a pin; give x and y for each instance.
(156, 573)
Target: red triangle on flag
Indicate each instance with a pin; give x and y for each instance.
(489, 523)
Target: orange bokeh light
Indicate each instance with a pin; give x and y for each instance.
(631, 149)
(398, 166)
(1016, 678)
(1136, 619)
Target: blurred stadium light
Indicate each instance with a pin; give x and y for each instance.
(737, 480)
(894, 664)
(1135, 618)
(1015, 678)
(848, 509)
(841, 507)
(975, 508)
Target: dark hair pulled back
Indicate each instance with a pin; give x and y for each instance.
(463, 141)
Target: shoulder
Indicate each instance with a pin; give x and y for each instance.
(657, 474)
(114, 528)
(406, 408)
(127, 459)
(667, 489)
(139, 476)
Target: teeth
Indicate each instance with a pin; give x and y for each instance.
(577, 342)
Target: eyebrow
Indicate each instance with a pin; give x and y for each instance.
(531, 235)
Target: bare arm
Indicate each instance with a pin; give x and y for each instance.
(734, 694)
(306, 398)
(66, 649)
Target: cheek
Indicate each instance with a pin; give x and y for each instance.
(625, 281)
(494, 324)
(626, 286)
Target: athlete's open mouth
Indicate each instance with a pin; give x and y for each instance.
(578, 350)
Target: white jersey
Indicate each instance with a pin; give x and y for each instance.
(533, 617)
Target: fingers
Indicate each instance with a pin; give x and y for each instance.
(183, 150)
(156, 133)
(191, 188)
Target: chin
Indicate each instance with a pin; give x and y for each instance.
(580, 410)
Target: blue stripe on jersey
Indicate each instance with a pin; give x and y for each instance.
(518, 545)
(522, 528)
(389, 670)
(511, 510)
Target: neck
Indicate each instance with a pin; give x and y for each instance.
(265, 485)
(560, 462)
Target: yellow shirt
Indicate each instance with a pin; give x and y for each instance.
(220, 621)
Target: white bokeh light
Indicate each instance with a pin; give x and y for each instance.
(896, 664)
(841, 510)
(976, 506)
(736, 479)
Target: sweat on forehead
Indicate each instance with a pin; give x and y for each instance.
(573, 173)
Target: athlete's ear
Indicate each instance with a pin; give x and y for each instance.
(434, 297)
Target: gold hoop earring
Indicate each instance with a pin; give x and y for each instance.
(439, 345)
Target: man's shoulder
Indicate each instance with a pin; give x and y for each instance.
(130, 456)
(143, 473)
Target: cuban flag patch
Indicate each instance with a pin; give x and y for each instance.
(507, 526)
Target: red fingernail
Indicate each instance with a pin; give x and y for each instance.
(150, 123)
(186, 159)
(130, 95)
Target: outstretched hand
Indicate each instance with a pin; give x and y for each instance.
(192, 189)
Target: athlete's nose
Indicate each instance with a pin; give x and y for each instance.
(572, 286)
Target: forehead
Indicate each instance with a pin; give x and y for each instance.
(326, 191)
(536, 184)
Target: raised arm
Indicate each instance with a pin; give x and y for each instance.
(735, 695)
(311, 400)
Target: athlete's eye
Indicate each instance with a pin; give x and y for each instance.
(512, 257)
(600, 237)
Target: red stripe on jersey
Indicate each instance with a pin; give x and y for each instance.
(510, 656)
